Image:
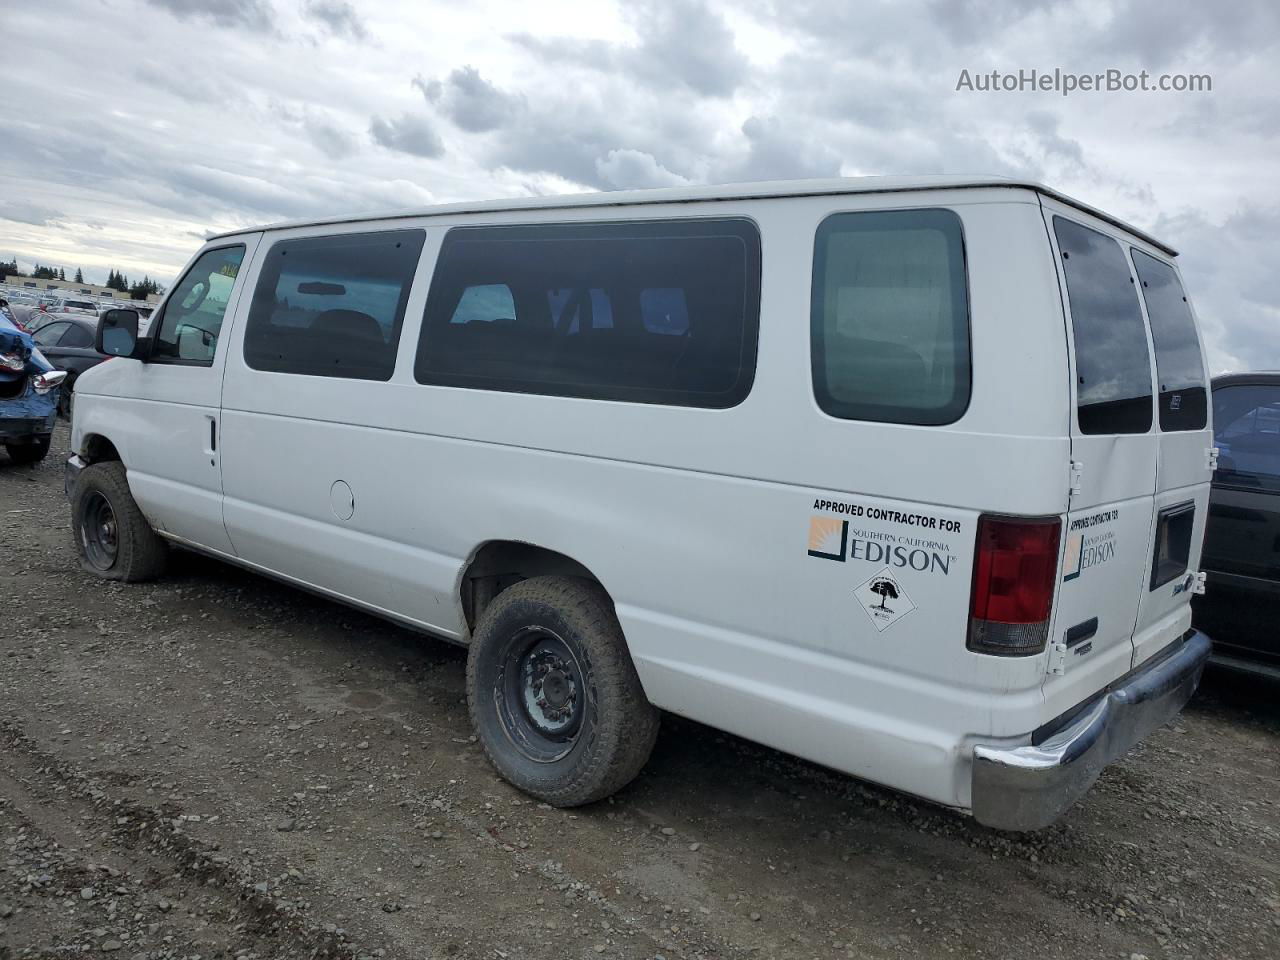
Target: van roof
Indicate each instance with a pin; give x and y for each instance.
(725, 191)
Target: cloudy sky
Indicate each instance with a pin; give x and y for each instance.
(133, 127)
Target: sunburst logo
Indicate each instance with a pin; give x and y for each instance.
(828, 537)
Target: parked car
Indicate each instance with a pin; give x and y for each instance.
(815, 463)
(1242, 539)
(67, 341)
(29, 391)
(86, 307)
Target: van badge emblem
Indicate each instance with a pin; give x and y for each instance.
(884, 599)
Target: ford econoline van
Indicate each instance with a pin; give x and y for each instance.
(904, 476)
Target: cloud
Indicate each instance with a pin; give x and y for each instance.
(632, 169)
(470, 101)
(332, 141)
(776, 151)
(681, 43)
(412, 134)
(255, 14)
(19, 211)
(338, 18)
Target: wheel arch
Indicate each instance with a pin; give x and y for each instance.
(495, 565)
(96, 448)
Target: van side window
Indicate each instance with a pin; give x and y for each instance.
(332, 306)
(190, 322)
(890, 317)
(647, 312)
(1113, 365)
(1179, 365)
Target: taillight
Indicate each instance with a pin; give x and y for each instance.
(1014, 569)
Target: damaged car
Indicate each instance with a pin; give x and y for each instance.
(29, 392)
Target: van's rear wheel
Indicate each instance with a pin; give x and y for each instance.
(113, 537)
(554, 696)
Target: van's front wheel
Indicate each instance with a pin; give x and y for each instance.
(554, 696)
(113, 537)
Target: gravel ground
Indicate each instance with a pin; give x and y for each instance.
(219, 766)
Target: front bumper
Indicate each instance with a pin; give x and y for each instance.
(1028, 787)
(71, 473)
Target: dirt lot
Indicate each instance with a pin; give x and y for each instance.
(219, 766)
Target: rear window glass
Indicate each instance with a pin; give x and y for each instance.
(648, 312)
(890, 317)
(1179, 364)
(333, 306)
(1113, 365)
(1246, 424)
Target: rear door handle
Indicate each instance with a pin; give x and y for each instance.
(1081, 631)
(213, 435)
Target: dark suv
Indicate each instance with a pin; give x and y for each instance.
(1241, 609)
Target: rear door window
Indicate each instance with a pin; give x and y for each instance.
(890, 317)
(1246, 424)
(333, 306)
(1179, 364)
(1113, 364)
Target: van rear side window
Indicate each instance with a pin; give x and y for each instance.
(1113, 365)
(1179, 365)
(648, 312)
(332, 306)
(890, 317)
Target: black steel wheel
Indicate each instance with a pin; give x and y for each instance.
(113, 537)
(554, 695)
(99, 535)
(539, 694)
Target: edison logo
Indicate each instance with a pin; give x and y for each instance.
(828, 538)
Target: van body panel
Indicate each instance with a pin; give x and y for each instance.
(784, 574)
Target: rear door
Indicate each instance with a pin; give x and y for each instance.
(1182, 468)
(1113, 459)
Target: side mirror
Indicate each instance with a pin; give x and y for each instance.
(118, 334)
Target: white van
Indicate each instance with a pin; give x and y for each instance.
(872, 471)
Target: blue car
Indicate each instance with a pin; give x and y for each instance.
(29, 389)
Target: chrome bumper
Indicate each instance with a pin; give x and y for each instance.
(1028, 787)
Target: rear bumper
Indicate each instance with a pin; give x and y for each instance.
(17, 429)
(1028, 787)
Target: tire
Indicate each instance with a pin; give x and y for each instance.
(114, 539)
(556, 641)
(29, 452)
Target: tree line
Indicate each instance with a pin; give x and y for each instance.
(116, 280)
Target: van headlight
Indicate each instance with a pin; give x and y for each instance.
(48, 381)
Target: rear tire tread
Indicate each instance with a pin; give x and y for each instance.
(619, 742)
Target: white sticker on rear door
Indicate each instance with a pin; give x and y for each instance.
(884, 599)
